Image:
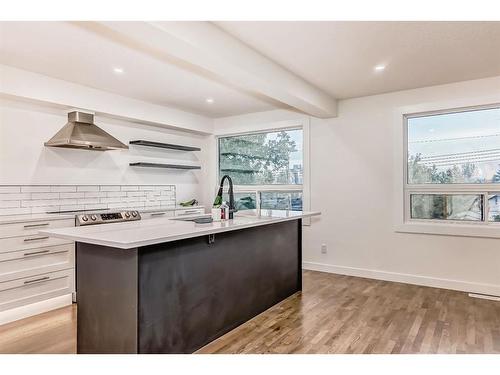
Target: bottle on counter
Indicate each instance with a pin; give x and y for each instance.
(216, 214)
(224, 211)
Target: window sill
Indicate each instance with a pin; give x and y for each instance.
(450, 229)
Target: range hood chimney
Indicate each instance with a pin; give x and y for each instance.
(81, 132)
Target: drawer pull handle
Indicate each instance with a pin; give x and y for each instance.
(36, 225)
(37, 280)
(35, 239)
(158, 213)
(189, 212)
(36, 252)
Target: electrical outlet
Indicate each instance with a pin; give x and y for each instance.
(323, 248)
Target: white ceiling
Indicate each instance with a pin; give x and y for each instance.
(69, 52)
(336, 57)
(339, 57)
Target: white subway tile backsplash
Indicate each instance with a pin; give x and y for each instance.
(86, 188)
(136, 194)
(35, 189)
(63, 188)
(14, 211)
(14, 196)
(88, 201)
(110, 200)
(44, 209)
(10, 204)
(109, 188)
(164, 198)
(44, 195)
(39, 203)
(96, 206)
(115, 205)
(10, 189)
(98, 194)
(113, 194)
(72, 195)
(26, 199)
(168, 204)
(74, 207)
(67, 202)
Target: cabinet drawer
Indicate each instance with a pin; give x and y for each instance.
(32, 227)
(29, 242)
(154, 215)
(25, 263)
(34, 289)
(192, 211)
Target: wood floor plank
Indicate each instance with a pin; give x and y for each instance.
(333, 314)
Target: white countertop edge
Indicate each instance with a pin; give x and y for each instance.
(24, 218)
(200, 231)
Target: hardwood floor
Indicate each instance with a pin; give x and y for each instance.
(333, 314)
(51, 332)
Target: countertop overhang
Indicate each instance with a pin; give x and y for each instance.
(131, 235)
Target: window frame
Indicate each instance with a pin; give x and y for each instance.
(403, 220)
(301, 124)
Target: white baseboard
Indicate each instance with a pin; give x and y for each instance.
(464, 286)
(22, 312)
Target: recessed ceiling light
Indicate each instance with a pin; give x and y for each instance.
(118, 70)
(379, 68)
(209, 100)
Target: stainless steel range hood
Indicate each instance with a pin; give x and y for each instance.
(81, 132)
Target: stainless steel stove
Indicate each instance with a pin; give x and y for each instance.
(93, 218)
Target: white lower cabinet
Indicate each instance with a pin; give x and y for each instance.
(198, 210)
(153, 215)
(29, 242)
(37, 273)
(37, 288)
(190, 211)
(24, 263)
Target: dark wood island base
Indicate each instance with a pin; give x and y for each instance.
(175, 297)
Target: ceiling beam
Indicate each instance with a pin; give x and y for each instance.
(205, 49)
(36, 88)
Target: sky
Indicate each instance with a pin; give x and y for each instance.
(457, 138)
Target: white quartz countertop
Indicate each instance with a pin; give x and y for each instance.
(11, 219)
(129, 235)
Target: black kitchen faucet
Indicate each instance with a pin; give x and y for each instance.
(232, 208)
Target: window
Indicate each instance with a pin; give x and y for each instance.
(272, 158)
(266, 168)
(454, 148)
(281, 200)
(453, 166)
(463, 207)
(243, 201)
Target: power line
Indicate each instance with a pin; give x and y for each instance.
(454, 139)
(461, 154)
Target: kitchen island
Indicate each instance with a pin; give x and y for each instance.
(171, 286)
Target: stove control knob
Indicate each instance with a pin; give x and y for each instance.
(85, 218)
(127, 214)
(134, 213)
(93, 217)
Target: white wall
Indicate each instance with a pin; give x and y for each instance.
(352, 183)
(24, 159)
